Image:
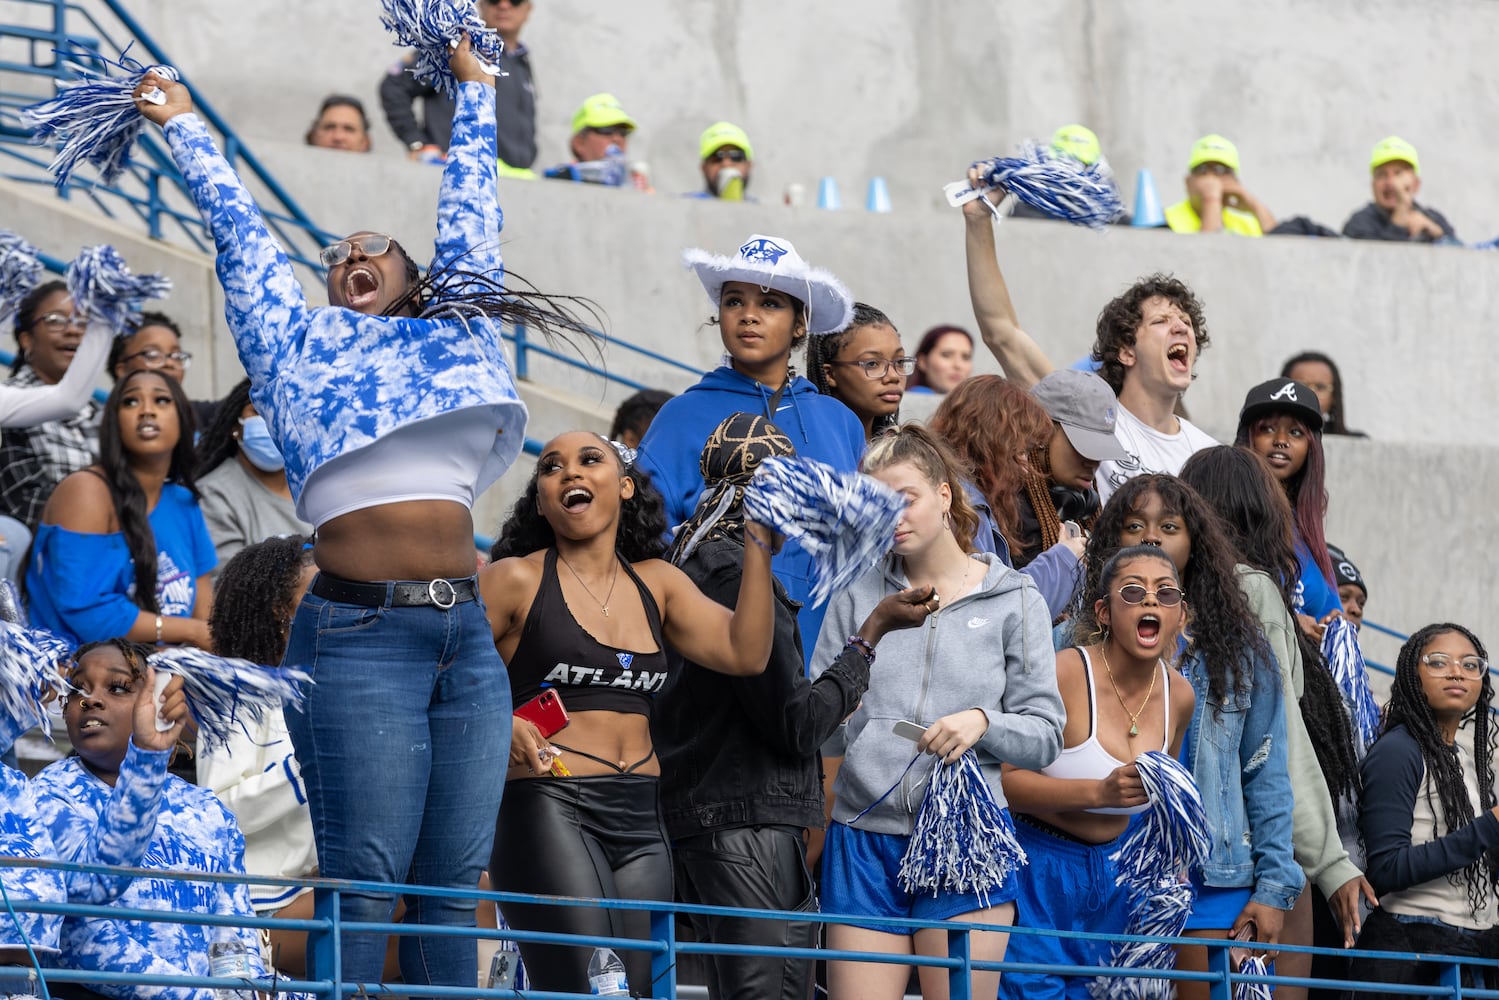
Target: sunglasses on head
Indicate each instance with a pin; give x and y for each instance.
(1166, 597)
(371, 245)
(728, 154)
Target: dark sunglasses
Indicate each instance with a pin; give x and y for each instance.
(372, 245)
(728, 154)
(612, 131)
(1166, 597)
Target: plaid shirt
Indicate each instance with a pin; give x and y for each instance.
(33, 460)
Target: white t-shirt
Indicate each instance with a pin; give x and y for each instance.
(1147, 450)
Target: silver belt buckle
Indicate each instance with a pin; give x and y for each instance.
(445, 603)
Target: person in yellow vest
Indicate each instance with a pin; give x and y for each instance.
(1216, 198)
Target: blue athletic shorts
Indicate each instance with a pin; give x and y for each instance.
(1215, 908)
(1069, 886)
(860, 878)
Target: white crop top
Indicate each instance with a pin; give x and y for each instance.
(440, 458)
(1089, 760)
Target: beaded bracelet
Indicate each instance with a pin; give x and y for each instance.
(861, 646)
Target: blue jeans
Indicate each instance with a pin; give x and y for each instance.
(403, 743)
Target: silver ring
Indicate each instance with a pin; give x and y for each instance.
(447, 603)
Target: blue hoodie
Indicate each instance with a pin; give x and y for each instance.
(819, 427)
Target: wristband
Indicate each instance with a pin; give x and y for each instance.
(158, 630)
(861, 646)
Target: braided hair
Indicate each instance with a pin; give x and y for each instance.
(1222, 626)
(1241, 488)
(125, 490)
(1409, 707)
(253, 599)
(217, 443)
(824, 349)
(639, 533)
(133, 653)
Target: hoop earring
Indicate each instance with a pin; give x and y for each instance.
(946, 520)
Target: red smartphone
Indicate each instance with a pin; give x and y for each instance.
(545, 712)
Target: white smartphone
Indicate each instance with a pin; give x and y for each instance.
(909, 730)
(162, 680)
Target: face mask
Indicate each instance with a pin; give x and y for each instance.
(255, 441)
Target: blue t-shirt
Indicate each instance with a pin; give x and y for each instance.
(81, 585)
(1314, 595)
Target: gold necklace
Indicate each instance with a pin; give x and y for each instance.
(1134, 729)
(963, 582)
(604, 604)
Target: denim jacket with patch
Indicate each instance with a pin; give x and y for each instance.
(1237, 753)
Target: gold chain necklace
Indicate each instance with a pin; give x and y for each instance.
(1134, 729)
(604, 604)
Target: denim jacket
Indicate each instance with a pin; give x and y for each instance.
(1238, 756)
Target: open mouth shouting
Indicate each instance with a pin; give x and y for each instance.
(361, 287)
(576, 499)
(1177, 357)
(1148, 630)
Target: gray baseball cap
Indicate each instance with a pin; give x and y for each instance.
(1085, 406)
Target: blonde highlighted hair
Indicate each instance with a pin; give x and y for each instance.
(918, 446)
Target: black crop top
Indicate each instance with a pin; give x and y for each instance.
(555, 651)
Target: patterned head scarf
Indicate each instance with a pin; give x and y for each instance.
(733, 452)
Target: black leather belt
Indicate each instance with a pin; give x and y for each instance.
(439, 593)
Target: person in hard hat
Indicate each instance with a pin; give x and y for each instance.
(1395, 178)
(1081, 144)
(724, 153)
(1216, 198)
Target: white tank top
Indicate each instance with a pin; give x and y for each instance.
(1089, 760)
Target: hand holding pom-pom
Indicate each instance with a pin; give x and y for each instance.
(160, 99)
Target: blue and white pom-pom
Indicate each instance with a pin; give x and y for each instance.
(101, 285)
(29, 661)
(95, 118)
(1346, 661)
(1171, 839)
(843, 520)
(963, 841)
(1253, 965)
(20, 271)
(226, 694)
(433, 28)
(1058, 185)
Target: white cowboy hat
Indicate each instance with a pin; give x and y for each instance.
(772, 262)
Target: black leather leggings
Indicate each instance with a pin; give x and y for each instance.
(763, 868)
(595, 836)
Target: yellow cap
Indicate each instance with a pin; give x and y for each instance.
(1214, 149)
(1077, 142)
(600, 111)
(719, 135)
(1393, 148)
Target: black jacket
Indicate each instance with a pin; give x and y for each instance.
(515, 109)
(743, 751)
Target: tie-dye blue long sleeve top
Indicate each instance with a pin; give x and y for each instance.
(331, 381)
(192, 832)
(118, 836)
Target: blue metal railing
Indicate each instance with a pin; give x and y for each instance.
(661, 945)
(153, 191)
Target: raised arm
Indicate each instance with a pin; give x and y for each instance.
(27, 407)
(706, 632)
(263, 302)
(468, 208)
(1016, 351)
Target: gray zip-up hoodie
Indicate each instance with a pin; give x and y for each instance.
(991, 650)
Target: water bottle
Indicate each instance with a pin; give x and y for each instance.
(606, 974)
(611, 170)
(228, 956)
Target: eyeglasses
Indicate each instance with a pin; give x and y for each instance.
(59, 321)
(153, 358)
(371, 245)
(612, 131)
(1166, 597)
(1441, 664)
(729, 154)
(874, 368)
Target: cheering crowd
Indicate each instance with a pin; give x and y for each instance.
(1084, 599)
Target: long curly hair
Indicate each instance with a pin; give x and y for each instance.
(1307, 491)
(1223, 627)
(1120, 319)
(125, 490)
(990, 422)
(1241, 488)
(1335, 420)
(1409, 707)
(217, 443)
(921, 447)
(641, 526)
(26, 316)
(253, 598)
